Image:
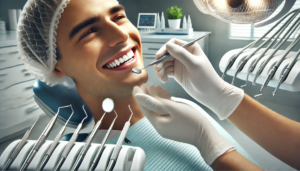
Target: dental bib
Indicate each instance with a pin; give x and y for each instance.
(165, 154)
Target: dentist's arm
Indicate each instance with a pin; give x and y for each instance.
(277, 134)
(181, 122)
(191, 68)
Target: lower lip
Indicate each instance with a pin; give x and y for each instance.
(126, 65)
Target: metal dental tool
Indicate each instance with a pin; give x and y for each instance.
(55, 141)
(107, 106)
(279, 45)
(69, 145)
(289, 32)
(229, 65)
(101, 148)
(286, 72)
(118, 146)
(138, 71)
(19, 147)
(39, 142)
(244, 61)
(274, 69)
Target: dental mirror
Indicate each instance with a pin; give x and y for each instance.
(108, 105)
(136, 70)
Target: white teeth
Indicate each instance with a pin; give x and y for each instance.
(125, 57)
(117, 62)
(121, 60)
(131, 53)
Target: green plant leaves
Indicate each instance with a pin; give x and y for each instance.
(174, 12)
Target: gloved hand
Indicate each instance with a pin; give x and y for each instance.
(193, 71)
(180, 122)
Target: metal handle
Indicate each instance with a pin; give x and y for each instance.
(120, 141)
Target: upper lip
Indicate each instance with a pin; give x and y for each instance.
(120, 54)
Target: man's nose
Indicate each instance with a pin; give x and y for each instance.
(115, 34)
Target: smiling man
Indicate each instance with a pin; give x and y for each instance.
(94, 43)
(97, 50)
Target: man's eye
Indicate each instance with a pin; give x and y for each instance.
(87, 33)
(119, 18)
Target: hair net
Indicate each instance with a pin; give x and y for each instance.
(36, 34)
(36, 37)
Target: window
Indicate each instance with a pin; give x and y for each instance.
(247, 31)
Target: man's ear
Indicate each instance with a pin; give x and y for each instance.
(58, 72)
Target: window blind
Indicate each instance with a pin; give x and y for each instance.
(247, 31)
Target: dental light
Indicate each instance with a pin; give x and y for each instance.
(244, 11)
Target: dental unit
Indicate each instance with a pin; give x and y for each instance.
(118, 146)
(274, 68)
(251, 45)
(55, 141)
(289, 32)
(277, 47)
(19, 147)
(107, 106)
(244, 61)
(70, 144)
(138, 71)
(41, 140)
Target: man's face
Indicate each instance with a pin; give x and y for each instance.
(92, 36)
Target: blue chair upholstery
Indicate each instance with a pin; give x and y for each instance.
(51, 98)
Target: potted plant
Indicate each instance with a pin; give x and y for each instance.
(174, 15)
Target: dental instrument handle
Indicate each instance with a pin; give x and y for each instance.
(286, 72)
(39, 143)
(71, 142)
(28, 160)
(43, 163)
(231, 62)
(59, 164)
(55, 141)
(168, 55)
(118, 146)
(101, 148)
(20, 146)
(68, 148)
(51, 149)
(184, 46)
(87, 145)
(17, 150)
(269, 77)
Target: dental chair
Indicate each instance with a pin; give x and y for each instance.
(50, 98)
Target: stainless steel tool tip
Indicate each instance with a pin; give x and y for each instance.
(136, 70)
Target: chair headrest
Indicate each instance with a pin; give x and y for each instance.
(51, 98)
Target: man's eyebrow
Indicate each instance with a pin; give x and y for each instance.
(82, 25)
(116, 9)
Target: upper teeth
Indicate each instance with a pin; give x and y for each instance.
(119, 61)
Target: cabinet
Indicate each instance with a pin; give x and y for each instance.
(17, 107)
(151, 43)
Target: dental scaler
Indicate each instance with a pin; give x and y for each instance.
(69, 145)
(118, 146)
(107, 106)
(55, 141)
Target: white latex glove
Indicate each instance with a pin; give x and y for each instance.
(193, 71)
(180, 122)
